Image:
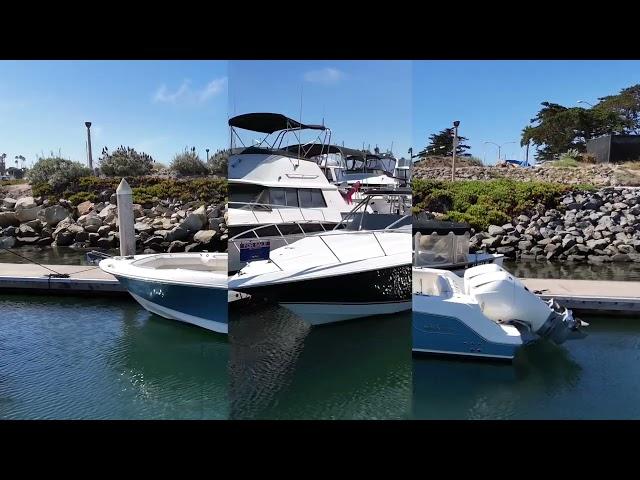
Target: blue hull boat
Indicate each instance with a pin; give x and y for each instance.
(188, 287)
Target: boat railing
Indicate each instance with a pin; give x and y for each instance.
(271, 208)
(286, 237)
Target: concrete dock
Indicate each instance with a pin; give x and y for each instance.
(590, 296)
(34, 278)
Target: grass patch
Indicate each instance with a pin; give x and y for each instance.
(485, 202)
(564, 162)
(18, 181)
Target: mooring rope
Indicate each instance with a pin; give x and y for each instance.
(55, 274)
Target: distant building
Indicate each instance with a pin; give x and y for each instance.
(615, 148)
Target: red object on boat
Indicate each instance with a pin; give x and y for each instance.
(352, 190)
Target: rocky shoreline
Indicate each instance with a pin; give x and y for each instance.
(598, 227)
(597, 175)
(168, 226)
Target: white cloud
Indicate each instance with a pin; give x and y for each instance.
(324, 76)
(187, 95)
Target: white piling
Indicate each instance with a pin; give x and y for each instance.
(124, 196)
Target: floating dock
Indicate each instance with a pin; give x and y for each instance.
(28, 277)
(590, 296)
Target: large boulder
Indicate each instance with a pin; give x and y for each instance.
(26, 231)
(27, 214)
(9, 203)
(141, 227)
(90, 219)
(196, 220)
(7, 242)
(85, 207)
(25, 203)
(8, 219)
(205, 236)
(108, 211)
(53, 215)
(496, 230)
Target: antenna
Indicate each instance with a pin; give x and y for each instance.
(300, 120)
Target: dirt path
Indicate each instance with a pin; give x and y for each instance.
(16, 191)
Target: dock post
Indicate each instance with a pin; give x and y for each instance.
(124, 196)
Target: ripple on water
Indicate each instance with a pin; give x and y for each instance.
(281, 367)
(65, 357)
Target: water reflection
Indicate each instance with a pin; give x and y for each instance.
(282, 368)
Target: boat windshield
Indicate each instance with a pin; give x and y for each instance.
(375, 221)
(433, 249)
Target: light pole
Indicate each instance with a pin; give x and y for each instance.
(207, 155)
(499, 147)
(456, 124)
(88, 125)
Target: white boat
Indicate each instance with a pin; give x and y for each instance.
(188, 287)
(275, 191)
(487, 313)
(359, 269)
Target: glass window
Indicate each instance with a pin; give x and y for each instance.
(317, 199)
(292, 197)
(243, 194)
(277, 196)
(311, 198)
(304, 194)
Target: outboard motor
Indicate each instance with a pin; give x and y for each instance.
(504, 299)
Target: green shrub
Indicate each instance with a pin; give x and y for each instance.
(188, 163)
(486, 202)
(125, 162)
(218, 163)
(56, 172)
(80, 197)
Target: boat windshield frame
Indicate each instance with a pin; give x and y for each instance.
(361, 207)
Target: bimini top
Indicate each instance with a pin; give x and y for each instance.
(316, 149)
(440, 227)
(269, 123)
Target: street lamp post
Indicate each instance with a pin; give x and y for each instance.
(88, 125)
(499, 147)
(455, 147)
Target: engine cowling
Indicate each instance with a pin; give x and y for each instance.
(504, 299)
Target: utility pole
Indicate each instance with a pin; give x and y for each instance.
(88, 125)
(455, 148)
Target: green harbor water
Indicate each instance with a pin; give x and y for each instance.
(593, 378)
(282, 368)
(106, 358)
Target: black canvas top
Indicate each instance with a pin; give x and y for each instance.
(269, 123)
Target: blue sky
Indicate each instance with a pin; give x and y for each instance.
(361, 101)
(494, 100)
(159, 107)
